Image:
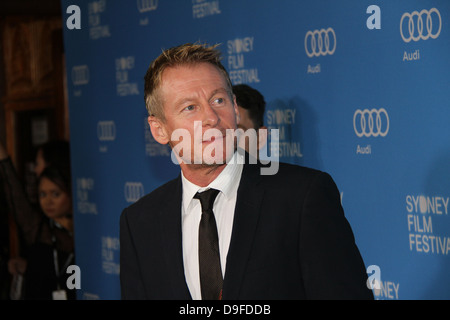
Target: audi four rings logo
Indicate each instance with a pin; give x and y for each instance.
(371, 123)
(147, 5)
(133, 191)
(320, 42)
(412, 25)
(106, 130)
(80, 75)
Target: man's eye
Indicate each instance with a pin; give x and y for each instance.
(219, 101)
(189, 108)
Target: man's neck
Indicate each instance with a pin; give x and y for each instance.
(201, 175)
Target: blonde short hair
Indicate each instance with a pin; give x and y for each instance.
(186, 54)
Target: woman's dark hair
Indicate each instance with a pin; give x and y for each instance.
(59, 176)
(56, 153)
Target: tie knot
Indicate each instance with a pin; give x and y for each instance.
(207, 198)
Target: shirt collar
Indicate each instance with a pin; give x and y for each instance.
(227, 181)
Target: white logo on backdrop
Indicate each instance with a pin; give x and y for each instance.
(320, 42)
(419, 24)
(110, 255)
(371, 123)
(106, 130)
(204, 8)
(133, 191)
(147, 5)
(80, 75)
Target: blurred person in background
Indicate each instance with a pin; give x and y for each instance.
(52, 250)
(251, 105)
(27, 216)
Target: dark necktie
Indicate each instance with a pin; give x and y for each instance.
(208, 248)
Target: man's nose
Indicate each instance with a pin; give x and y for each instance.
(210, 117)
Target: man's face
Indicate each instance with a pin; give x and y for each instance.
(196, 94)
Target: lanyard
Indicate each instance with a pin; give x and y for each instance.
(55, 258)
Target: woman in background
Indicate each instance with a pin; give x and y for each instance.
(27, 216)
(52, 250)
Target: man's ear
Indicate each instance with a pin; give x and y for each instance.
(158, 130)
(236, 110)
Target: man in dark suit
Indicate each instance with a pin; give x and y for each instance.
(224, 229)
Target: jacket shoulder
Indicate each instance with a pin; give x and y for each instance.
(288, 173)
(296, 178)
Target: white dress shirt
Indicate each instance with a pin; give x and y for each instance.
(227, 183)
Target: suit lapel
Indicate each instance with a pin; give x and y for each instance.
(171, 232)
(246, 216)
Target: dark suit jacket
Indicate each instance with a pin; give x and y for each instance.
(290, 240)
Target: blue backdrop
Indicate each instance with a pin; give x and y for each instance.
(357, 88)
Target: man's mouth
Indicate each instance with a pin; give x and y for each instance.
(213, 139)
